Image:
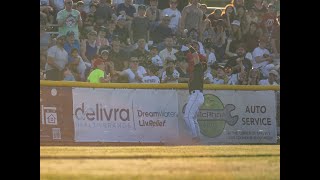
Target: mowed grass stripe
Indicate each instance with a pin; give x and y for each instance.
(202, 162)
(195, 168)
(156, 157)
(109, 151)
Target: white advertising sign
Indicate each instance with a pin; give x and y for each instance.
(125, 115)
(234, 117)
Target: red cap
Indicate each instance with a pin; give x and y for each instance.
(97, 62)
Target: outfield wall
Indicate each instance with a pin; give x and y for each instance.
(153, 113)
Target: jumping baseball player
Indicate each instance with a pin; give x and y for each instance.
(196, 98)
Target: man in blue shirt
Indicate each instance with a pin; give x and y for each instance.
(71, 43)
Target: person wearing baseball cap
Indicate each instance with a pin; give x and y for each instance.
(196, 98)
(235, 22)
(71, 43)
(61, 36)
(98, 74)
(57, 59)
(134, 73)
(273, 75)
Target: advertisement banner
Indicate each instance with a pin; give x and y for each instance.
(56, 114)
(125, 115)
(233, 117)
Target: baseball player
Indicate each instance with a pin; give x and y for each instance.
(196, 98)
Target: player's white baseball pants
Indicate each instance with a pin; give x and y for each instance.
(196, 99)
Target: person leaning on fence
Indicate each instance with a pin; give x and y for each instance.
(155, 58)
(151, 76)
(221, 77)
(134, 73)
(170, 74)
(271, 80)
(254, 76)
(98, 74)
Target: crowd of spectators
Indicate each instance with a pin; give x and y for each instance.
(147, 41)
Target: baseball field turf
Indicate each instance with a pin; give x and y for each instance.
(160, 162)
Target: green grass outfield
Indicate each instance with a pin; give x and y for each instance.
(160, 162)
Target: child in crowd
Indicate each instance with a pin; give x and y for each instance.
(98, 74)
(151, 76)
(221, 77)
(77, 65)
(156, 60)
(170, 75)
(254, 76)
(68, 76)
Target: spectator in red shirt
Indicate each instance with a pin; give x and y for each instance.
(269, 20)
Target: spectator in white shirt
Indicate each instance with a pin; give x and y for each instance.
(169, 51)
(262, 58)
(134, 73)
(170, 75)
(57, 59)
(175, 15)
(151, 76)
(273, 75)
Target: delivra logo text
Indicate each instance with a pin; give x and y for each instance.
(101, 113)
(213, 116)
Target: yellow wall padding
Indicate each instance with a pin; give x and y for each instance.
(156, 86)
